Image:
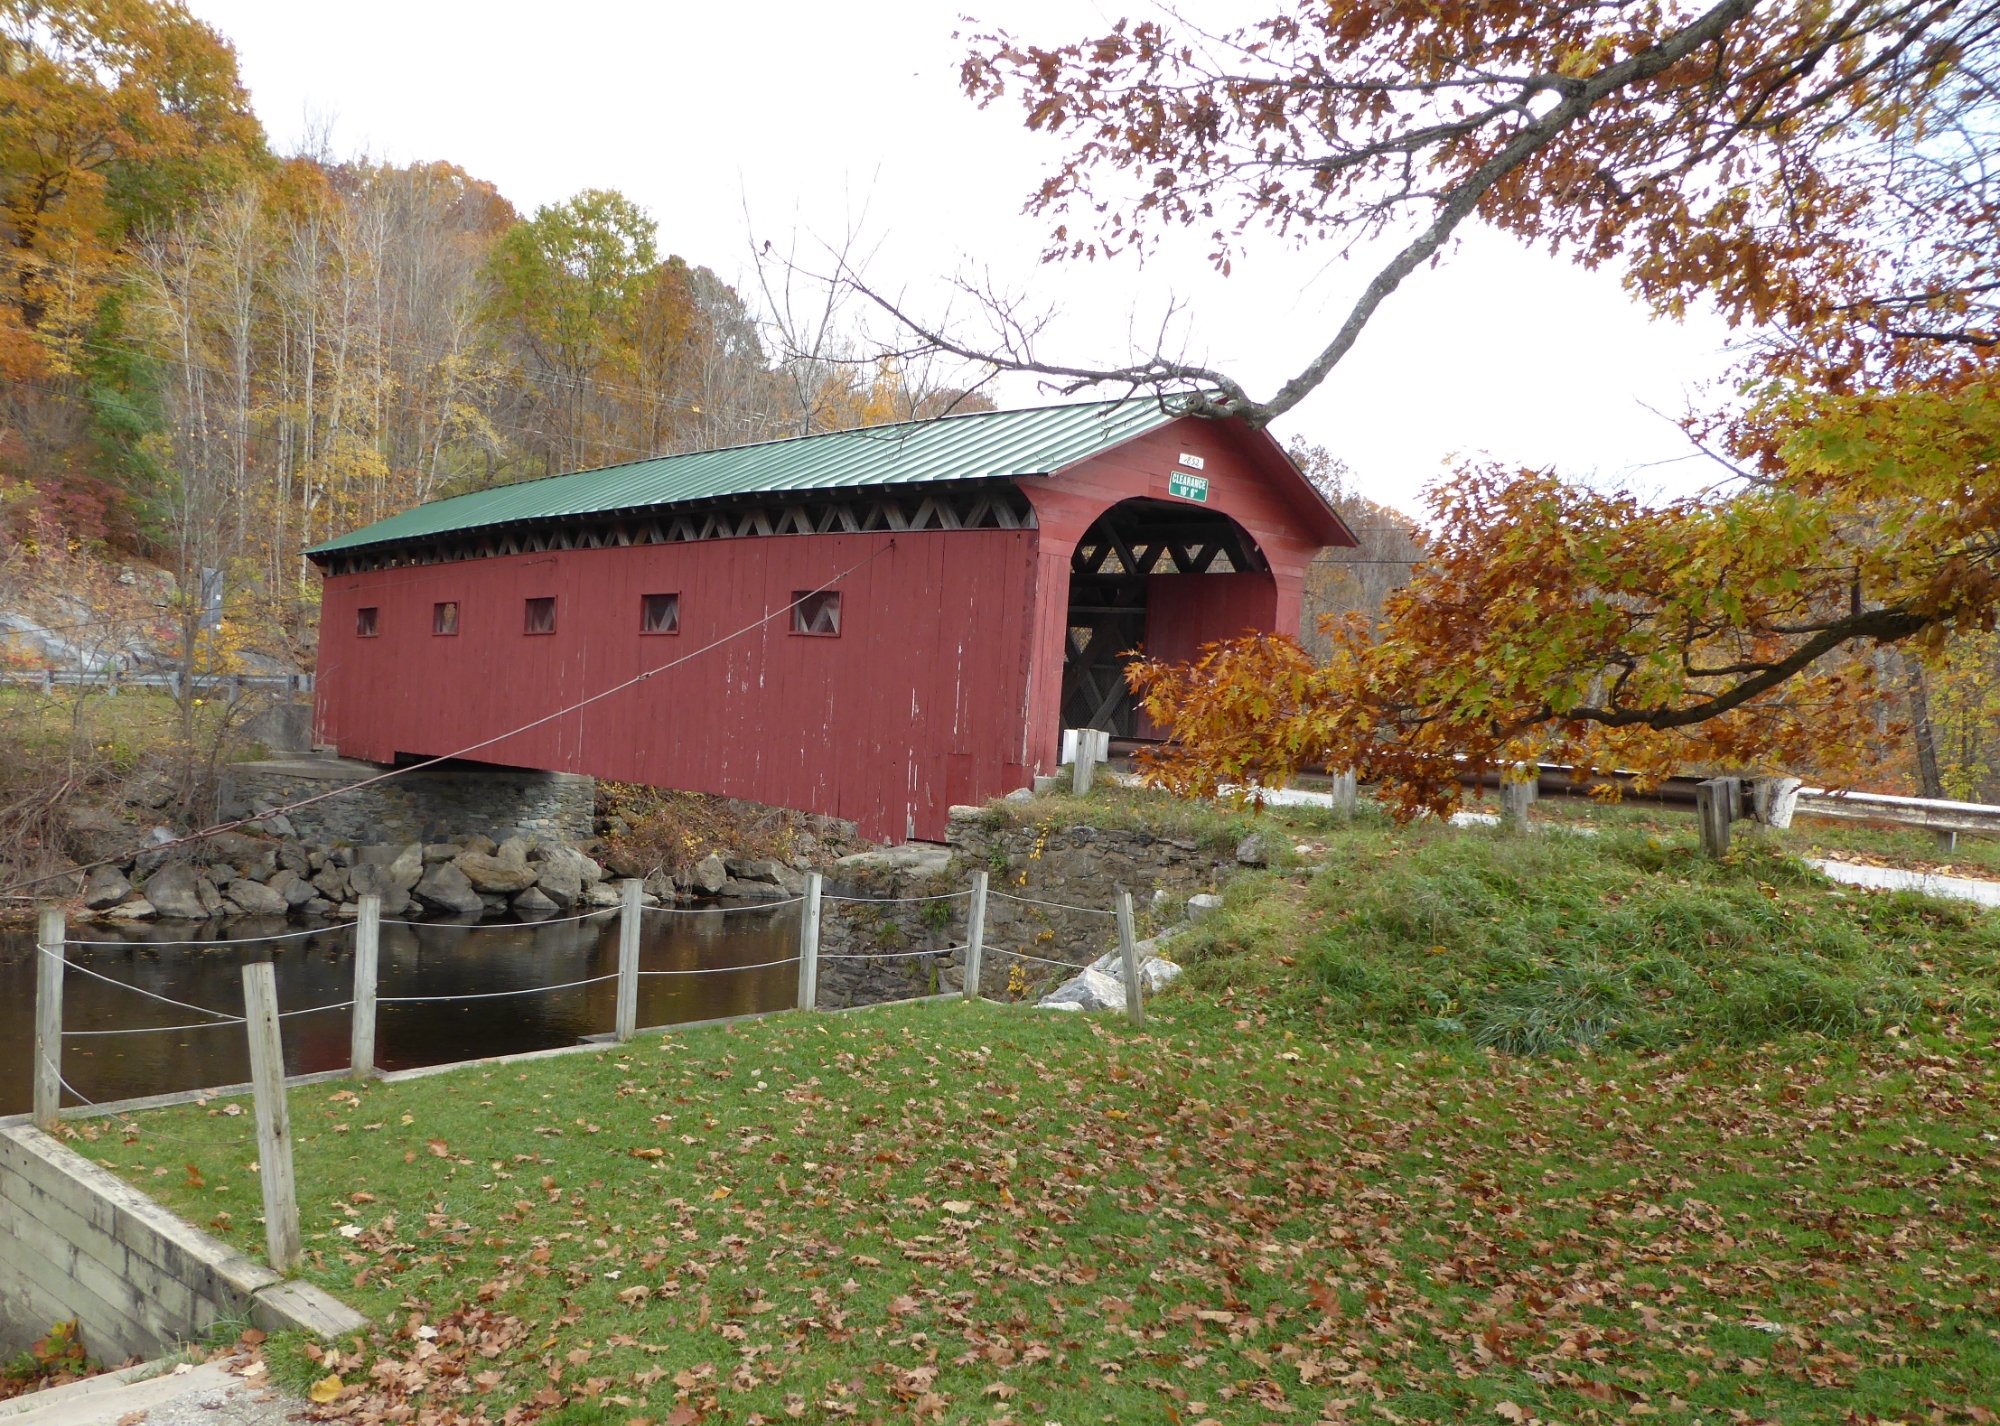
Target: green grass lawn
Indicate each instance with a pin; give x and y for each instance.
(1457, 1129)
(1807, 836)
(115, 732)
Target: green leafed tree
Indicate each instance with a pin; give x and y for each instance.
(570, 284)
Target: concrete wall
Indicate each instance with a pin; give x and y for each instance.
(425, 806)
(75, 1241)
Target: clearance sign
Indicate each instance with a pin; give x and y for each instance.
(1188, 487)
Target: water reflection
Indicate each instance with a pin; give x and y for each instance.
(316, 970)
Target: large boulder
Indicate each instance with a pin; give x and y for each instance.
(1091, 990)
(709, 875)
(296, 890)
(587, 870)
(106, 887)
(490, 873)
(622, 862)
(253, 898)
(331, 882)
(561, 880)
(238, 848)
(175, 891)
(137, 909)
(97, 833)
(532, 903)
(753, 869)
(375, 879)
(408, 867)
(448, 889)
(514, 849)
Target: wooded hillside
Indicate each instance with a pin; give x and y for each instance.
(215, 355)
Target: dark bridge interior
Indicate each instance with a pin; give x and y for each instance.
(1111, 574)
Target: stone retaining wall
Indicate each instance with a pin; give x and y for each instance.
(77, 1242)
(425, 806)
(1026, 864)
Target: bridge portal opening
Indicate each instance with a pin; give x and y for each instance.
(1161, 578)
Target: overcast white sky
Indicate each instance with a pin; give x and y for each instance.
(812, 112)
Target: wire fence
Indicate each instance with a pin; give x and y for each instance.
(367, 999)
(1051, 905)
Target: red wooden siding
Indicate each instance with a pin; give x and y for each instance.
(919, 702)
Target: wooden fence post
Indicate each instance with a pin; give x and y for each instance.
(367, 964)
(975, 934)
(809, 945)
(50, 950)
(1715, 805)
(1128, 953)
(1517, 795)
(628, 958)
(1346, 793)
(274, 1125)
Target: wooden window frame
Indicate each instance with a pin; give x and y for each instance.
(443, 625)
(367, 621)
(672, 608)
(538, 605)
(816, 613)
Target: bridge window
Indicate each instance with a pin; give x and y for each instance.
(444, 617)
(816, 613)
(541, 616)
(660, 614)
(367, 622)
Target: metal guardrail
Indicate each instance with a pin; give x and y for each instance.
(1557, 780)
(231, 685)
(1930, 814)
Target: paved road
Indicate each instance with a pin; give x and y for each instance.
(207, 1395)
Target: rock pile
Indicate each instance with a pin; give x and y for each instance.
(266, 871)
(242, 874)
(1101, 984)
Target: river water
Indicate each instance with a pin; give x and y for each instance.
(438, 959)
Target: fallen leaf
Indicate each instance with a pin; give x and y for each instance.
(325, 1389)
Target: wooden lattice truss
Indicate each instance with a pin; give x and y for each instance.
(999, 506)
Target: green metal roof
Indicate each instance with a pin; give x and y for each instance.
(980, 445)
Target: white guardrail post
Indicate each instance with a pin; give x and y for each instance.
(809, 945)
(975, 934)
(49, 946)
(628, 958)
(367, 965)
(274, 1123)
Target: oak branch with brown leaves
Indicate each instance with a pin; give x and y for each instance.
(1817, 173)
(1805, 166)
(1550, 623)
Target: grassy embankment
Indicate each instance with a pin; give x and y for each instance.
(115, 733)
(1459, 1128)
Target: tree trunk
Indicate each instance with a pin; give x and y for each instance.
(1923, 733)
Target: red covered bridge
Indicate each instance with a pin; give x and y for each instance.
(873, 624)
